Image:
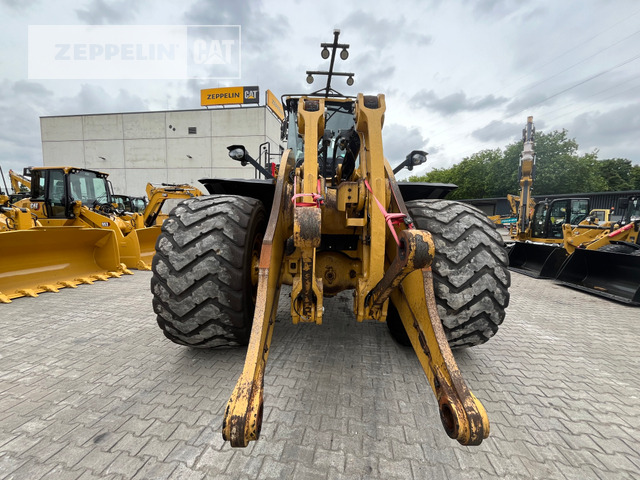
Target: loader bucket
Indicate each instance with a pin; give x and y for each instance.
(147, 238)
(45, 259)
(129, 248)
(536, 259)
(612, 275)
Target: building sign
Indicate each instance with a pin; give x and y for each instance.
(229, 95)
(274, 104)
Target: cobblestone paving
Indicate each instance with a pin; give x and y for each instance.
(90, 388)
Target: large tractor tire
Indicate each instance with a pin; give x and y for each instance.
(470, 274)
(205, 270)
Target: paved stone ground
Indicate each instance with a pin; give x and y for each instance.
(90, 388)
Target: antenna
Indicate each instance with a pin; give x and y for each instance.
(330, 49)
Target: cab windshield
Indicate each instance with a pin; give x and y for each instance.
(88, 187)
(634, 209)
(339, 124)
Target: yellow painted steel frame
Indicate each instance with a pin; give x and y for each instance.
(596, 238)
(387, 269)
(15, 218)
(369, 122)
(463, 416)
(243, 415)
(306, 292)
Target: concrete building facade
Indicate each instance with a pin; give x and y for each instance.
(159, 147)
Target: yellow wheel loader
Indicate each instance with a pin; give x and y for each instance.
(564, 240)
(38, 259)
(540, 253)
(331, 217)
(605, 258)
(69, 196)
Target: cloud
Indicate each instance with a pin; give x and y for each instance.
(613, 132)
(373, 74)
(24, 87)
(381, 31)
(260, 28)
(400, 140)
(455, 102)
(498, 131)
(95, 99)
(496, 8)
(100, 12)
(18, 5)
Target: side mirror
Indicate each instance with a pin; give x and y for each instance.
(239, 153)
(415, 158)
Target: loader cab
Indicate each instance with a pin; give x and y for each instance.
(129, 204)
(631, 208)
(338, 147)
(548, 217)
(56, 190)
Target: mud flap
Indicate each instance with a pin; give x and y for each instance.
(536, 259)
(612, 275)
(45, 259)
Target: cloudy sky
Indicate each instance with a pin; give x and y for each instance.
(459, 75)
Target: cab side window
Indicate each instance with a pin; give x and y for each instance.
(57, 193)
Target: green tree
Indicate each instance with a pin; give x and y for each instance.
(559, 169)
(617, 172)
(635, 177)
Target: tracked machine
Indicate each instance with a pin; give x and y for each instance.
(331, 217)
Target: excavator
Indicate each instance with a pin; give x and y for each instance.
(330, 217)
(538, 249)
(578, 247)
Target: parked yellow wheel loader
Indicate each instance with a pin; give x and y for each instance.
(564, 240)
(38, 259)
(331, 218)
(605, 258)
(69, 196)
(542, 253)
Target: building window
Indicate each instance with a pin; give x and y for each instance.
(193, 130)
